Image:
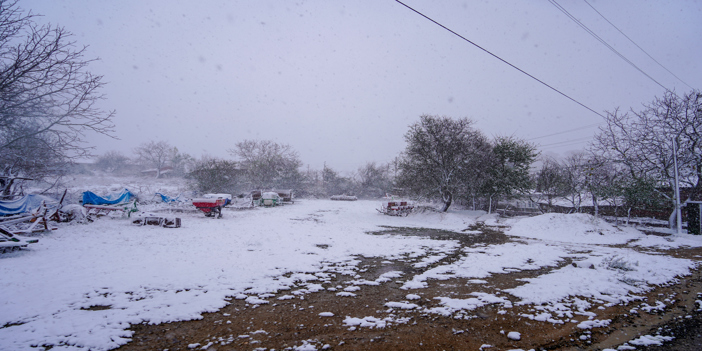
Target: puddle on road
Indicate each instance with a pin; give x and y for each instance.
(487, 235)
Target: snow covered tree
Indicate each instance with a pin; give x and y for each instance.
(112, 161)
(335, 184)
(508, 170)
(214, 175)
(550, 180)
(374, 180)
(591, 176)
(29, 158)
(642, 141)
(603, 181)
(269, 164)
(641, 194)
(439, 156)
(48, 99)
(182, 163)
(574, 169)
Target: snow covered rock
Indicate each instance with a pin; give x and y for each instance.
(514, 335)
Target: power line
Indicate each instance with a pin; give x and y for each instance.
(566, 131)
(499, 58)
(568, 142)
(637, 45)
(589, 31)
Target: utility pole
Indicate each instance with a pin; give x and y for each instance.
(677, 190)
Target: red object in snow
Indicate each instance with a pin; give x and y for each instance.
(210, 206)
(396, 208)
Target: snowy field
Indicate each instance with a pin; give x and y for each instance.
(82, 285)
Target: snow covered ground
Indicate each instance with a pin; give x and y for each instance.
(82, 285)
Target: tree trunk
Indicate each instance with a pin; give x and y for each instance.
(6, 186)
(628, 215)
(447, 197)
(597, 208)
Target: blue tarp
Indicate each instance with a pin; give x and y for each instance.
(24, 204)
(90, 198)
(167, 198)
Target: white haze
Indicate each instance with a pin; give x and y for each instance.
(341, 81)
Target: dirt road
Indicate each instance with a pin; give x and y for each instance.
(302, 319)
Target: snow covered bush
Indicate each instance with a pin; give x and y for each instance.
(619, 263)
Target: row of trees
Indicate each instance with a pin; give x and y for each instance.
(156, 157)
(630, 163)
(584, 176)
(254, 164)
(263, 164)
(445, 158)
(449, 159)
(642, 143)
(49, 105)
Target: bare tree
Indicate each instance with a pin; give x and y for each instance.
(29, 158)
(550, 180)
(269, 164)
(642, 141)
(112, 161)
(182, 162)
(575, 179)
(604, 181)
(374, 180)
(158, 155)
(583, 175)
(47, 97)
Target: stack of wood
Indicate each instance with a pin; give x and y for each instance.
(344, 198)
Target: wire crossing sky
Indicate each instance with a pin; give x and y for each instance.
(637, 45)
(501, 59)
(341, 82)
(598, 38)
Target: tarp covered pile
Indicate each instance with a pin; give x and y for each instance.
(24, 204)
(90, 198)
(168, 199)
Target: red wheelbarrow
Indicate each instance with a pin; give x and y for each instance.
(210, 207)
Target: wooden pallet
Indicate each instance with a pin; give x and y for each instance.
(28, 223)
(97, 211)
(165, 222)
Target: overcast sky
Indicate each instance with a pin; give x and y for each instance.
(340, 81)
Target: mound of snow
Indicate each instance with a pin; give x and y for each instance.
(573, 228)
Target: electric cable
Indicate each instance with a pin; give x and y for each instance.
(637, 45)
(501, 59)
(567, 131)
(603, 42)
(567, 142)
